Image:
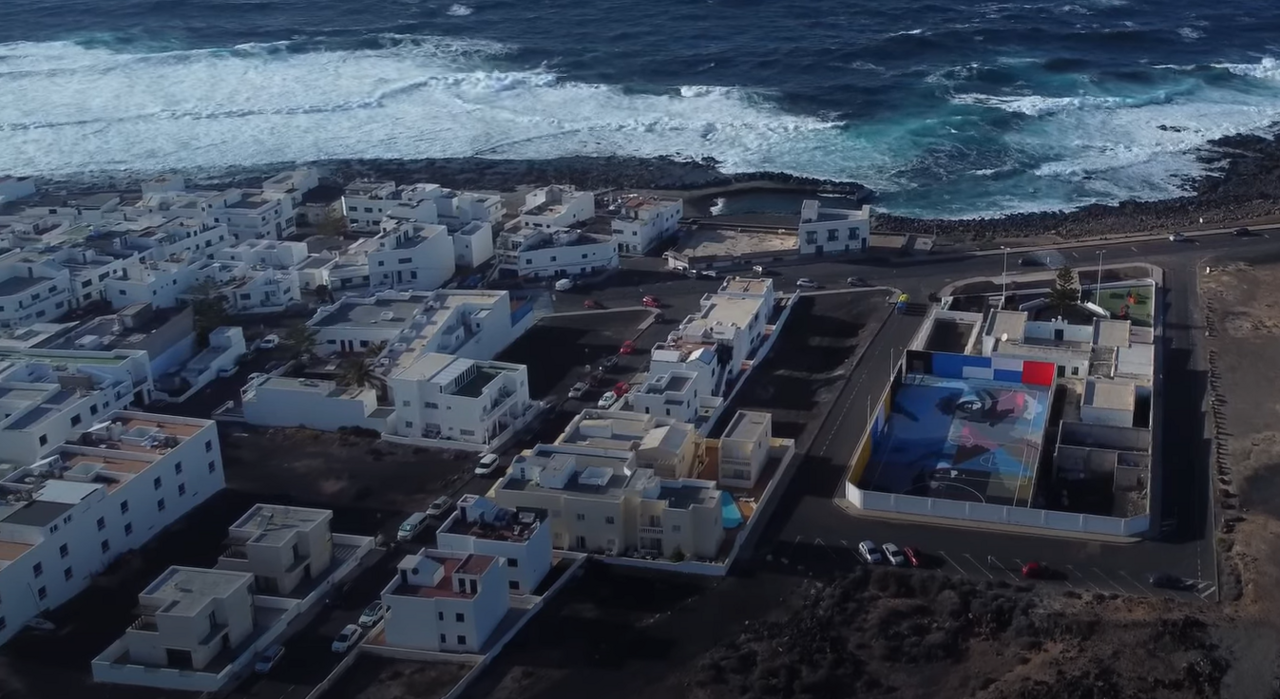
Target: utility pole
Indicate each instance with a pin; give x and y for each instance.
(1097, 292)
(1004, 276)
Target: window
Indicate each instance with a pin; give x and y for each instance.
(42, 593)
(404, 261)
(405, 403)
(440, 616)
(513, 563)
(675, 529)
(177, 469)
(208, 445)
(128, 528)
(93, 409)
(368, 209)
(443, 638)
(408, 423)
(67, 574)
(182, 489)
(581, 517)
(381, 263)
(37, 570)
(431, 406)
(124, 293)
(608, 520)
(212, 467)
(413, 274)
(467, 433)
(584, 255)
(459, 617)
(553, 258)
(160, 504)
(462, 640)
(833, 236)
(156, 483)
(102, 523)
(124, 507)
(44, 439)
(106, 546)
(64, 551)
(512, 584)
(1075, 371)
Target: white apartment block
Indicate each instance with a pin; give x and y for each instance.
(744, 449)
(281, 547)
(672, 449)
(557, 206)
(441, 396)
(445, 601)
(33, 289)
(293, 185)
(251, 214)
(268, 253)
(189, 616)
(714, 344)
(825, 230)
(365, 204)
(472, 244)
(403, 255)
(108, 490)
(601, 501)
(684, 396)
(515, 536)
(642, 222)
(526, 251)
(280, 401)
(247, 288)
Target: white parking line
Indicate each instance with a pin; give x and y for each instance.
(989, 575)
(1095, 587)
(1001, 566)
(1206, 593)
(1140, 585)
(1112, 582)
(953, 563)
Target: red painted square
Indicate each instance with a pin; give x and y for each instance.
(1038, 373)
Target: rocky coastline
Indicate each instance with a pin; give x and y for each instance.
(1243, 185)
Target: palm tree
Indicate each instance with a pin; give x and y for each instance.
(375, 350)
(209, 310)
(302, 340)
(361, 372)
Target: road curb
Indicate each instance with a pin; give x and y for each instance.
(1157, 275)
(1037, 532)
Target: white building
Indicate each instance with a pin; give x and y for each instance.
(684, 396)
(440, 396)
(189, 616)
(66, 517)
(268, 253)
(672, 449)
(472, 244)
(600, 501)
(280, 401)
(365, 204)
(643, 222)
(403, 255)
(515, 536)
(744, 449)
(281, 547)
(825, 230)
(526, 251)
(293, 184)
(445, 601)
(251, 214)
(33, 289)
(557, 206)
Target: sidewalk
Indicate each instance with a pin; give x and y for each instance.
(1039, 532)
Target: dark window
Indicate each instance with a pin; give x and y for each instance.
(75, 420)
(64, 551)
(67, 574)
(160, 504)
(124, 507)
(460, 617)
(440, 616)
(182, 489)
(512, 584)
(443, 639)
(102, 523)
(462, 640)
(128, 528)
(93, 409)
(177, 469)
(42, 593)
(513, 563)
(106, 546)
(156, 482)
(44, 439)
(208, 446)
(404, 261)
(212, 467)
(37, 570)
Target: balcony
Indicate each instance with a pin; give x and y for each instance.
(652, 531)
(146, 624)
(236, 553)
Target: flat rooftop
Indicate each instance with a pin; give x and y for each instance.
(1115, 395)
(186, 591)
(327, 389)
(13, 286)
(472, 564)
(1011, 324)
(37, 513)
(731, 243)
(731, 311)
(746, 426)
(673, 383)
(745, 285)
(517, 527)
(272, 525)
(686, 496)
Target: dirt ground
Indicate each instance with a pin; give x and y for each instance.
(877, 632)
(372, 677)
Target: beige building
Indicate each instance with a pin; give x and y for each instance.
(672, 449)
(744, 449)
(602, 501)
(281, 547)
(188, 616)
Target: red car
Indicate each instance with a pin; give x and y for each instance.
(651, 302)
(592, 303)
(913, 556)
(1035, 570)
(627, 347)
(621, 389)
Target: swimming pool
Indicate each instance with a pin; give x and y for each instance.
(729, 511)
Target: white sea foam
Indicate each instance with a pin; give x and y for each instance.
(459, 10)
(1266, 69)
(85, 109)
(1190, 33)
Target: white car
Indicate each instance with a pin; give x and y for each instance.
(488, 464)
(806, 283)
(1177, 237)
(607, 400)
(268, 659)
(894, 554)
(578, 389)
(270, 342)
(758, 269)
(347, 638)
(564, 284)
(372, 614)
(869, 552)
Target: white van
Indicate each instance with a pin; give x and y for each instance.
(411, 526)
(564, 284)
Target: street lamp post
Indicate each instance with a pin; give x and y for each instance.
(1004, 276)
(1097, 292)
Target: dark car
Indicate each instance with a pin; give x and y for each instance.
(857, 282)
(1242, 232)
(1030, 261)
(1169, 581)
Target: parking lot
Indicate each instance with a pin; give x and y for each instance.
(802, 555)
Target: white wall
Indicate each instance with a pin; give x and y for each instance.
(270, 403)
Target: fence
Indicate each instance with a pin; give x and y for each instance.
(996, 514)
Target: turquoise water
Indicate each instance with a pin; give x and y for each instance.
(729, 511)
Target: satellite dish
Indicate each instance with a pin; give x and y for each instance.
(1004, 337)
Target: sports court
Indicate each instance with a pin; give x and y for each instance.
(960, 439)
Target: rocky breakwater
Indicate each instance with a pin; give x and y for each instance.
(1242, 185)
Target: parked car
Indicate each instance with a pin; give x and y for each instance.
(268, 659)
(439, 506)
(592, 304)
(914, 557)
(621, 389)
(709, 274)
(372, 614)
(869, 552)
(609, 362)
(1242, 232)
(578, 389)
(857, 281)
(806, 283)
(411, 526)
(1177, 237)
(607, 400)
(488, 464)
(563, 284)
(596, 377)
(40, 624)
(627, 347)
(758, 269)
(894, 554)
(347, 638)
(1035, 570)
(270, 342)
(1169, 581)
(651, 302)
(1030, 261)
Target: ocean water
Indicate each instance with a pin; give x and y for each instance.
(947, 108)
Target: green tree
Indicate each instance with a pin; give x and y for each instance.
(333, 224)
(209, 310)
(1065, 292)
(323, 293)
(374, 350)
(361, 372)
(301, 341)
